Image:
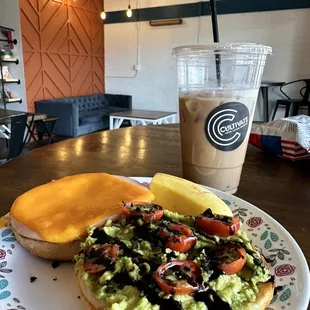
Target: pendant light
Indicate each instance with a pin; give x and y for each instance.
(103, 15)
(129, 11)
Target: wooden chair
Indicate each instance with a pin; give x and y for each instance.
(292, 105)
(16, 139)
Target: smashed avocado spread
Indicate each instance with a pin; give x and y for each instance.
(155, 259)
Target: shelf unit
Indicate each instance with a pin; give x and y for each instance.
(11, 81)
(12, 100)
(4, 60)
(10, 60)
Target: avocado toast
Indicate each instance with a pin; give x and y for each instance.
(157, 259)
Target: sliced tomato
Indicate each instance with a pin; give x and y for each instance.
(213, 224)
(179, 277)
(153, 217)
(96, 251)
(94, 255)
(179, 237)
(110, 251)
(93, 268)
(181, 244)
(148, 211)
(230, 258)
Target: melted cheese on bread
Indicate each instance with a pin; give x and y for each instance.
(61, 211)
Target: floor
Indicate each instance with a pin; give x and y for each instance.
(36, 144)
(29, 147)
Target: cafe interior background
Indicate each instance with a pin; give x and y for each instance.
(65, 48)
(76, 48)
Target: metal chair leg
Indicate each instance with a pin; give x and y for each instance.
(266, 103)
(29, 130)
(295, 109)
(288, 109)
(37, 124)
(275, 111)
(50, 133)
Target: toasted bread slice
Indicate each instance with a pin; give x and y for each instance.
(48, 250)
(262, 301)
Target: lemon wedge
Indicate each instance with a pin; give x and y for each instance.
(185, 197)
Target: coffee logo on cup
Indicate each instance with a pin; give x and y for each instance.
(227, 125)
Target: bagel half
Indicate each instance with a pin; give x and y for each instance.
(90, 301)
(263, 298)
(262, 301)
(33, 243)
(48, 250)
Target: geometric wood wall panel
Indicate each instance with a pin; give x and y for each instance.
(63, 48)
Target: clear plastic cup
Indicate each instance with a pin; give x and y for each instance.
(218, 88)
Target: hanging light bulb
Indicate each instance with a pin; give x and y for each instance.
(129, 10)
(103, 15)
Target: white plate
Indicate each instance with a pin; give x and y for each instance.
(54, 289)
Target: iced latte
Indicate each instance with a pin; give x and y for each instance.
(218, 87)
(214, 137)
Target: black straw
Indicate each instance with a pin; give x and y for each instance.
(216, 38)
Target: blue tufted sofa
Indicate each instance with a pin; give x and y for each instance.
(81, 115)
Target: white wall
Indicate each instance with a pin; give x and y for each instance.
(9, 17)
(154, 85)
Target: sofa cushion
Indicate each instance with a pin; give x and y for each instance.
(92, 102)
(122, 101)
(87, 117)
(113, 109)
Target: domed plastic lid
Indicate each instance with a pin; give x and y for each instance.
(222, 48)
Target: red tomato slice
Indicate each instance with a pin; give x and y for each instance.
(179, 237)
(93, 268)
(218, 227)
(153, 217)
(231, 258)
(110, 251)
(148, 211)
(187, 280)
(106, 250)
(181, 244)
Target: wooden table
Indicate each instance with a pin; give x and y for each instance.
(264, 87)
(279, 187)
(5, 120)
(141, 117)
(4, 114)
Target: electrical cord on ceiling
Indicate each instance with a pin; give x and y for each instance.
(138, 24)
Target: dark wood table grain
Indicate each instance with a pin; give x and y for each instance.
(279, 187)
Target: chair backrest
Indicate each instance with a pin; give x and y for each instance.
(304, 91)
(306, 94)
(17, 139)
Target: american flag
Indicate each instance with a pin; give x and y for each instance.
(283, 148)
(293, 150)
